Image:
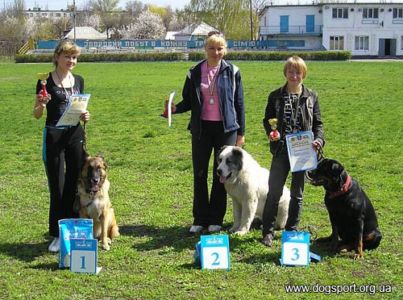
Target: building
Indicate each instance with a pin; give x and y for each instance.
(37, 13)
(194, 32)
(365, 29)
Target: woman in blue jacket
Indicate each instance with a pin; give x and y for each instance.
(213, 93)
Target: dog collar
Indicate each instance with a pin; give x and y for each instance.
(344, 189)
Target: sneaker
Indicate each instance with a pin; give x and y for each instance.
(268, 240)
(195, 229)
(214, 228)
(54, 245)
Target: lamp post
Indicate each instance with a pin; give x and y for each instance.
(251, 20)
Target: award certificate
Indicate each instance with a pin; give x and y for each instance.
(171, 98)
(301, 154)
(77, 104)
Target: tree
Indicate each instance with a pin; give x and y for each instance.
(107, 11)
(135, 8)
(147, 26)
(102, 6)
(165, 13)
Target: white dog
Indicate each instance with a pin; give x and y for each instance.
(248, 184)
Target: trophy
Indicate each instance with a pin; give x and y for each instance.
(43, 77)
(274, 134)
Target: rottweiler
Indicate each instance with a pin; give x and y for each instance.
(352, 216)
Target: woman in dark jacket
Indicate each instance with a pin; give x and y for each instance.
(296, 108)
(213, 93)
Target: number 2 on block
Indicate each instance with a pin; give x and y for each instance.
(216, 261)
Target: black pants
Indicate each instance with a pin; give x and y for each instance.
(280, 166)
(209, 210)
(63, 156)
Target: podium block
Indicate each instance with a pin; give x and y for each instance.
(214, 252)
(84, 254)
(295, 248)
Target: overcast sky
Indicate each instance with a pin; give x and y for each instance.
(59, 4)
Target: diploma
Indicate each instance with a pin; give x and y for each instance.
(170, 100)
(77, 105)
(301, 153)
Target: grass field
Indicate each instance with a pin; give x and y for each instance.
(151, 176)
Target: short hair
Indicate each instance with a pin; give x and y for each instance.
(65, 46)
(216, 38)
(295, 62)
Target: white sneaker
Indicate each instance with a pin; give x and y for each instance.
(214, 228)
(54, 245)
(195, 229)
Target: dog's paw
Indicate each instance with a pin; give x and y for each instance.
(358, 256)
(106, 245)
(232, 229)
(241, 232)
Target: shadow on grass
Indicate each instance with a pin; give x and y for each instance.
(23, 251)
(157, 237)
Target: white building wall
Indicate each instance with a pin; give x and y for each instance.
(378, 30)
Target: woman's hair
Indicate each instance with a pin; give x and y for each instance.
(66, 47)
(297, 63)
(216, 38)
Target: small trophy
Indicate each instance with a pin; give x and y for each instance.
(43, 77)
(274, 134)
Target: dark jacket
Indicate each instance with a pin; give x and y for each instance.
(230, 92)
(311, 119)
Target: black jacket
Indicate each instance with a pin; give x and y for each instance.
(311, 119)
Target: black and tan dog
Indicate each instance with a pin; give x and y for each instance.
(353, 218)
(93, 193)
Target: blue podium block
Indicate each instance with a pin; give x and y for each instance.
(295, 248)
(213, 252)
(84, 254)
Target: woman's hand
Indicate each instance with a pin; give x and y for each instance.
(240, 140)
(85, 116)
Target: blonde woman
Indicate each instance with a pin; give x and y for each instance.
(213, 93)
(297, 109)
(62, 146)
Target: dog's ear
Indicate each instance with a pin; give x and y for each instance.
(237, 156)
(100, 156)
(222, 148)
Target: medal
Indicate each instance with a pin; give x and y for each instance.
(274, 134)
(211, 87)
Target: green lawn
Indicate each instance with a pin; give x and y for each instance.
(151, 185)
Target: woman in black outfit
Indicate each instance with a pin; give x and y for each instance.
(62, 145)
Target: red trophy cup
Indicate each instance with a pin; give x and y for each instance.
(274, 134)
(43, 77)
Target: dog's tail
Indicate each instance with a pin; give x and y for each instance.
(114, 229)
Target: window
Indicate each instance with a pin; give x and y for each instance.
(361, 43)
(398, 13)
(370, 13)
(337, 42)
(340, 13)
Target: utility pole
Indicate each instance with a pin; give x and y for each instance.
(74, 19)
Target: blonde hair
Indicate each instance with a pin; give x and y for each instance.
(67, 47)
(297, 63)
(215, 38)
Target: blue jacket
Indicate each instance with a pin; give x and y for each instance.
(230, 93)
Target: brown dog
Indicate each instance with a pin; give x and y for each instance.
(93, 187)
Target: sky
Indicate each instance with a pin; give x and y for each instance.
(62, 4)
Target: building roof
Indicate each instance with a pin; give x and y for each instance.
(201, 29)
(86, 33)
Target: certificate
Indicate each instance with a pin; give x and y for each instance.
(170, 100)
(77, 105)
(301, 154)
